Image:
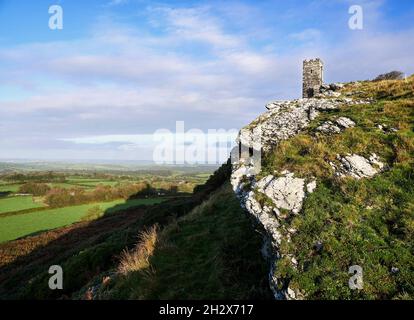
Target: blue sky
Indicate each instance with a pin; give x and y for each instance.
(122, 69)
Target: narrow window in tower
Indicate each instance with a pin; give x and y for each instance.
(251, 151)
(240, 150)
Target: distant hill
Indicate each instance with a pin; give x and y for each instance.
(100, 166)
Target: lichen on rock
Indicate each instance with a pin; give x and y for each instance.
(286, 192)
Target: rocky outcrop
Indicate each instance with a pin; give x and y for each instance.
(276, 197)
(330, 90)
(345, 122)
(284, 119)
(357, 166)
(328, 127)
(337, 126)
(385, 129)
(286, 192)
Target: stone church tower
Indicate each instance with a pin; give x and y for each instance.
(312, 77)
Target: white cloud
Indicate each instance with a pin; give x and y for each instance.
(307, 35)
(197, 24)
(116, 3)
(189, 65)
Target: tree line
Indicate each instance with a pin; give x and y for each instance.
(34, 177)
(62, 197)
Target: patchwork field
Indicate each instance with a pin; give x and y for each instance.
(59, 199)
(9, 187)
(83, 183)
(11, 204)
(71, 182)
(16, 226)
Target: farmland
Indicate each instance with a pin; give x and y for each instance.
(15, 226)
(17, 203)
(9, 187)
(32, 202)
(201, 241)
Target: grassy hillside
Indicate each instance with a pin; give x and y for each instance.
(210, 253)
(207, 248)
(367, 222)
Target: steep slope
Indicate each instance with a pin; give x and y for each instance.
(335, 190)
(210, 253)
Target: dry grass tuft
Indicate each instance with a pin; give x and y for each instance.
(137, 259)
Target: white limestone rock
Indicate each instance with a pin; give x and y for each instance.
(345, 122)
(237, 177)
(265, 217)
(337, 126)
(359, 167)
(286, 192)
(328, 127)
(311, 186)
(283, 120)
(375, 160)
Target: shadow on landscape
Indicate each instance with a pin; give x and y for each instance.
(213, 253)
(86, 249)
(4, 193)
(145, 194)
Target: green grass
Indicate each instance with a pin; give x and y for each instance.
(96, 183)
(367, 222)
(134, 203)
(13, 227)
(203, 175)
(63, 185)
(9, 187)
(91, 182)
(72, 182)
(308, 153)
(83, 183)
(211, 253)
(11, 204)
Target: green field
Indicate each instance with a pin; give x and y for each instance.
(13, 227)
(11, 204)
(82, 183)
(72, 182)
(9, 187)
